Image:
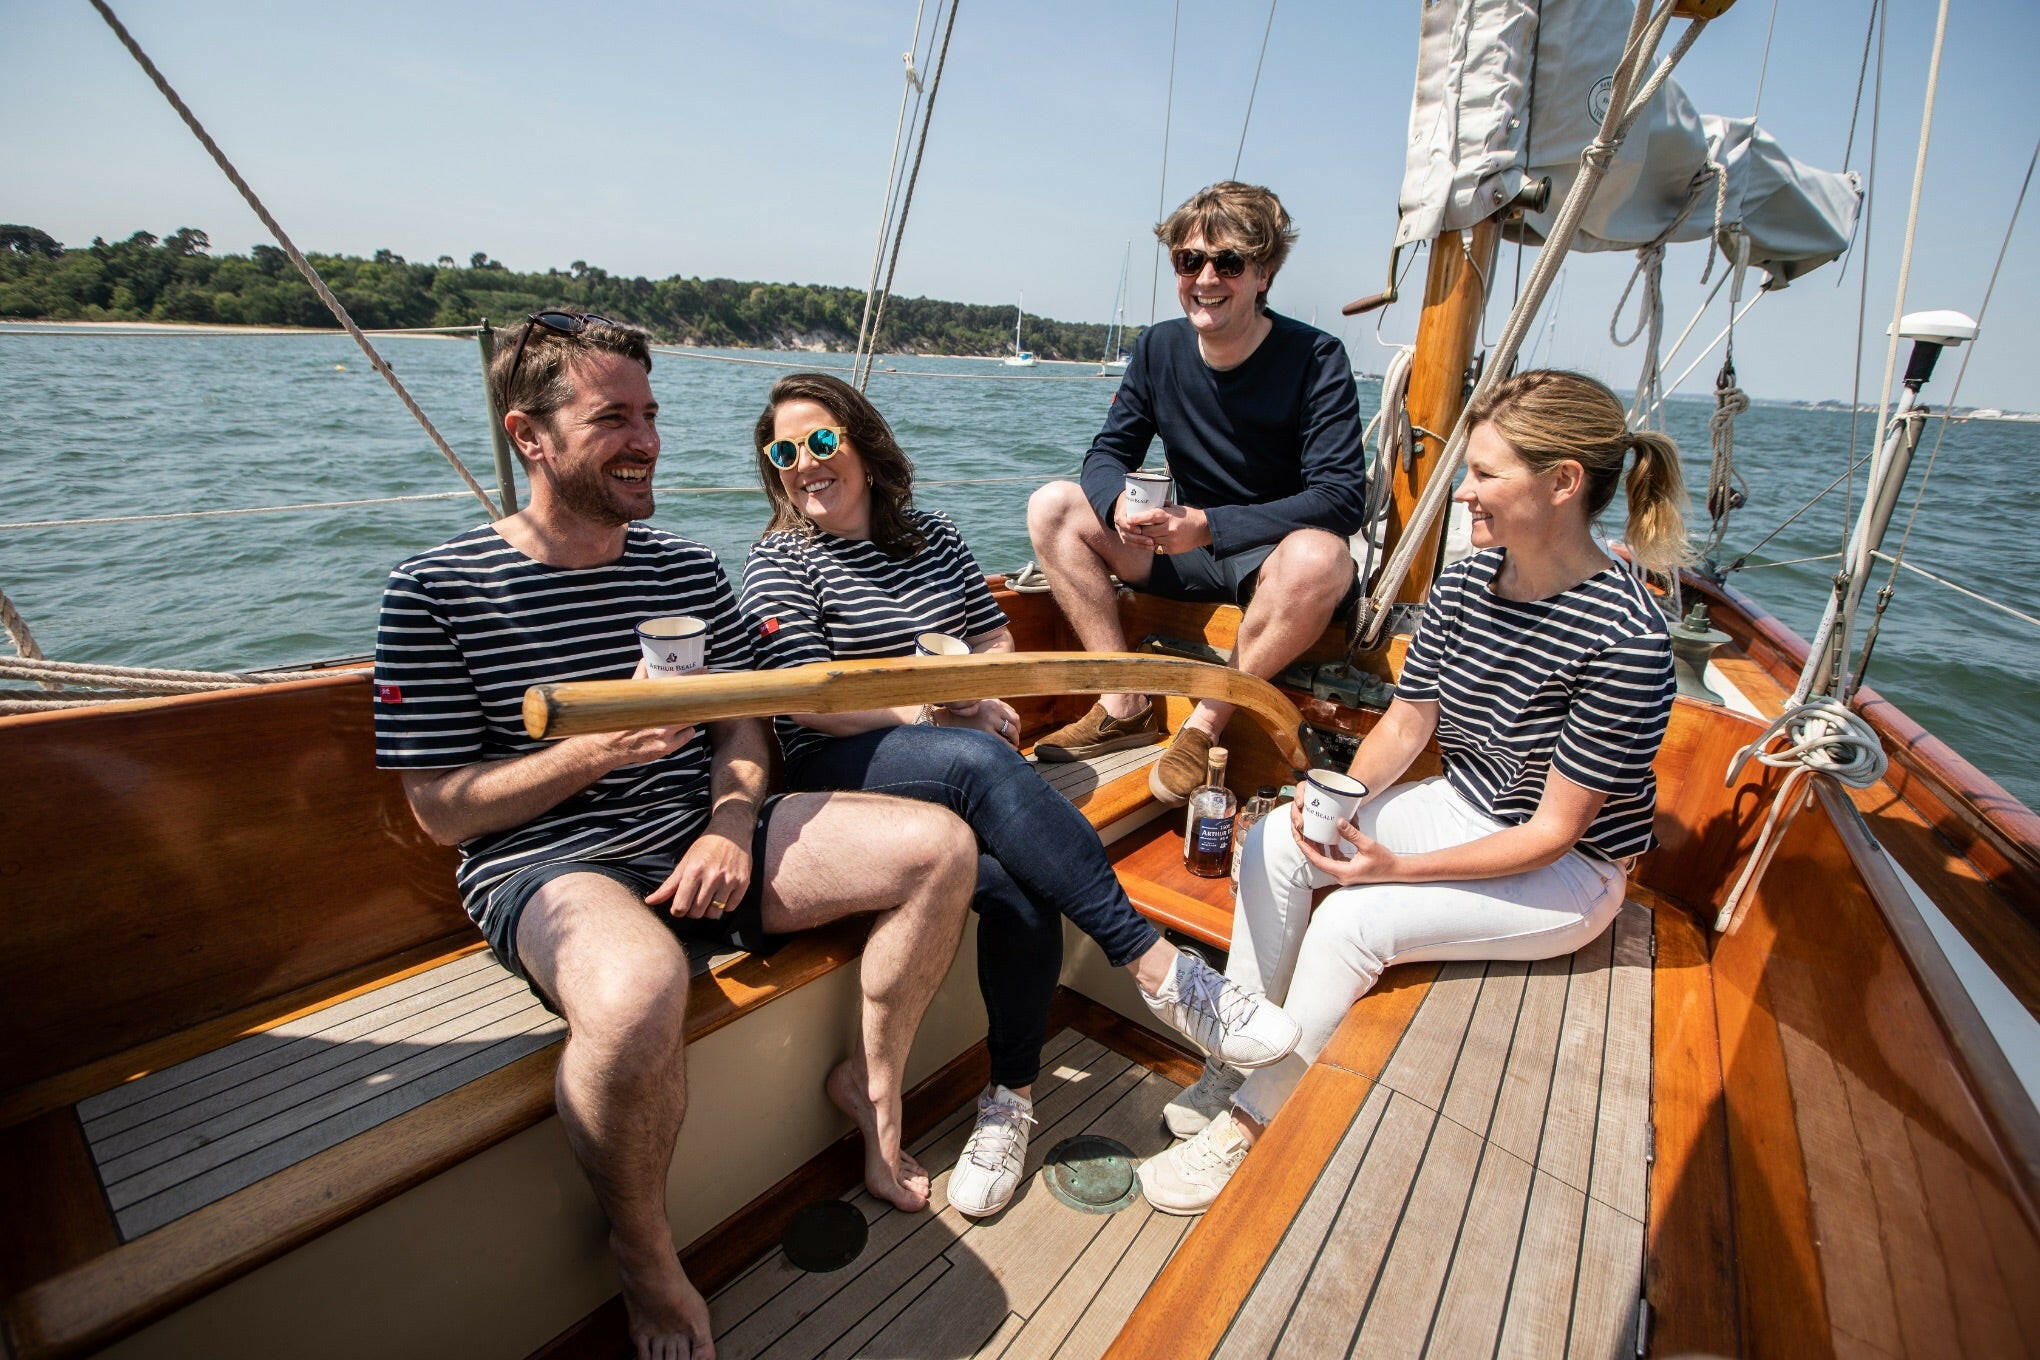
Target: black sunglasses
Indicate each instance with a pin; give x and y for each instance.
(1227, 264)
(560, 323)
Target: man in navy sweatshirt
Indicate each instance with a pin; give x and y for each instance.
(1261, 430)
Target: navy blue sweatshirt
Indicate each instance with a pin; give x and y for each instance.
(1263, 449)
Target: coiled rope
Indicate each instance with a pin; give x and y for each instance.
(1824, 736)
(311, 275)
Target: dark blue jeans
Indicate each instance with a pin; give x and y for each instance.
(1039, 861)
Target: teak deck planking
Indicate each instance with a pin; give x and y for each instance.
(1372, 1221)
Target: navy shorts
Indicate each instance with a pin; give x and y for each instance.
(498, 910)
(1203, 577)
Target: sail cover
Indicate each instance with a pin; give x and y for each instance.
(1510, 91)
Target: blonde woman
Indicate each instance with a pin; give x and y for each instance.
(1544, 670)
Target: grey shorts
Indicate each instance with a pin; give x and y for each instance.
(1203, 577)
(498, 909)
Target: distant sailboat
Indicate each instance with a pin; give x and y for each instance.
(1114, 363)
(1020, 358)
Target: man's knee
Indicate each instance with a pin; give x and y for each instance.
(631, 1004)
(1310, 565)
(936, 845)
(1053, 510)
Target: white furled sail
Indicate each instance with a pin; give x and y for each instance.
(1510, 91)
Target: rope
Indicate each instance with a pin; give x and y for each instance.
(910, 85)
(440, 496)
(1822, 737)
(1162, 189)
(1726, 490)
(1764, 67)
(126, 680)
(907, 201)
(1627, 101)
(678, 352)
(1896, 563)
(159, 330)
(1252, 90)
(1919, 497)
(17, 630)
(311, 275)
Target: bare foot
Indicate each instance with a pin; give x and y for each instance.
(668, 1316)
(889, 1172)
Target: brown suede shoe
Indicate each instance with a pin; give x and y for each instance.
(1098, 732)
(1180, 771)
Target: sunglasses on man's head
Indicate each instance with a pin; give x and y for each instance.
(1227, 264)
(822, 442)
(560, 323)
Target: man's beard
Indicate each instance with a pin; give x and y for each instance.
(586, 492)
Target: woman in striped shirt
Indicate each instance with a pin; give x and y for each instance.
(1545, 671)
(848, 568)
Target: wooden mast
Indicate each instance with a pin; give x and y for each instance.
(1455, 299)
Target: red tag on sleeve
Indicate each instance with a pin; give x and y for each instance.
(769, 627)
(389, 694)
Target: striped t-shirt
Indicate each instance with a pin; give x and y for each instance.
(823, 598)
(1580, 683)
(466, 627)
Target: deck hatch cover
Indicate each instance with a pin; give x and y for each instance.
(1091, 1174)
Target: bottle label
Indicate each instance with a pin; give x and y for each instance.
(1214, 835)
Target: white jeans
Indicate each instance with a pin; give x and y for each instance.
(1315, 965)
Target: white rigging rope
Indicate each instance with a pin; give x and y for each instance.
(860, 377)
(301, 506)
(1253, 90)
(1162, 188)
(304, 267)
(910, 86)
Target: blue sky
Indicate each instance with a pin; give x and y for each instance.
(750, 141)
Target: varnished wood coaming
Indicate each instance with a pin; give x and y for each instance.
(167, 863)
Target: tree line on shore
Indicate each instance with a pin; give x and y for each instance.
(177, 278)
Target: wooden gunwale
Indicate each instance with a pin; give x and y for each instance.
(1999, 1094)
(1961, 802)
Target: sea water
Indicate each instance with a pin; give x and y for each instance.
(102, 425)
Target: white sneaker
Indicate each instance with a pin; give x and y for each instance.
(1221, 1017)
(1189, 1112)
(1188, 1177)
(988, 1172)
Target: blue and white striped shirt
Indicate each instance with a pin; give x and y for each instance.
(466, 627)
(1580, 683)
(824, 598)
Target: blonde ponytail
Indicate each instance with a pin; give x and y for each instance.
(1656, 532)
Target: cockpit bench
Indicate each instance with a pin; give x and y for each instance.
(245, 1135)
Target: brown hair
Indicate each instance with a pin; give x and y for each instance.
(1549, 417)
(544, 377)
(892, 474)
(1236, 216)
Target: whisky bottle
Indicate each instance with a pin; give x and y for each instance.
(1207, 838)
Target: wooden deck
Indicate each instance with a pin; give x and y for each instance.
(1485, 1193)
(1482, 1192)
(1039, 1279)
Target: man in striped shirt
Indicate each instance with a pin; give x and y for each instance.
(595, 864)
